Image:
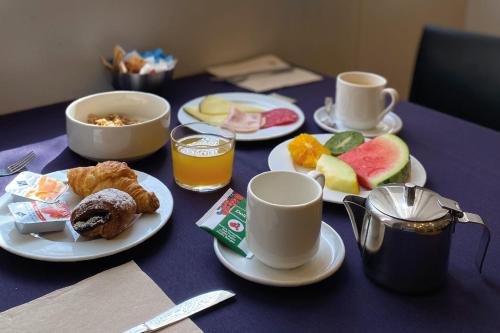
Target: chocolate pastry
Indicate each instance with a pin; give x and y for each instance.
(104, 214)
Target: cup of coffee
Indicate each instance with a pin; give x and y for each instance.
(284, 211)
(360, 99)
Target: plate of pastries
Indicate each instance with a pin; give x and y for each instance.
(111, 208)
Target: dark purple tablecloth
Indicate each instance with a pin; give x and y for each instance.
(462, 162)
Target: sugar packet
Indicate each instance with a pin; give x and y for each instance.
(226, 221)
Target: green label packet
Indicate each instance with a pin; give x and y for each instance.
(226, 221)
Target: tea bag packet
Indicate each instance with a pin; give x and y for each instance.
(37, 187)
(134, 62)
(154, 55)
(140, 62)
(34, 216)
(226, 221)
(118, 55)
(147, 69)
(157, 61)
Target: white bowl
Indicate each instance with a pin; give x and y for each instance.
(126, 143)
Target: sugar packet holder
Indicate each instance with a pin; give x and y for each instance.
(226, 221)
(37, 187)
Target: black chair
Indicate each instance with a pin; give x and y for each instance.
(459, 73)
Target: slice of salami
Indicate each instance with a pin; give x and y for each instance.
(278, 117)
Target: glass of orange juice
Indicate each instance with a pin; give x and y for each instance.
(202, 156)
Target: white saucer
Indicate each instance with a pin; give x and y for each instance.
(391, 123)
(326, 262)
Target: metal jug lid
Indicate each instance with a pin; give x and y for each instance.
(408, 202)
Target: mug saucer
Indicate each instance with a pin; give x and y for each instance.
(327, 261)
(391, 123)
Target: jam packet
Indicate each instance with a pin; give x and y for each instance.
(226, 221)
(37, 187)
(34, 216)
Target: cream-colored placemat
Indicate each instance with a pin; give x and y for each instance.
(267, 62)
(111, 301)
(263, 73)
(266, 82)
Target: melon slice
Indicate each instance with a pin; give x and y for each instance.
(385, 159)
(215, 105)
(339, 176)
(214, 119)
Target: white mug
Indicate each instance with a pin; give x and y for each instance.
(360, 99)
(284, 211)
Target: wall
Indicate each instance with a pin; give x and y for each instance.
(483, 16)
(50, 48)
(381, 36)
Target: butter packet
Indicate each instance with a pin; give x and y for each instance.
(37, 187)
(226, 221)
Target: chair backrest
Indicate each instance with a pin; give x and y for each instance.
(459, 73)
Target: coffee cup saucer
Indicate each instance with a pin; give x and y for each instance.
(391, 123)
(327, 261)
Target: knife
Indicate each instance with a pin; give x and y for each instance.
(182, 310)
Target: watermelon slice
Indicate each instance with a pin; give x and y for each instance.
(385, 159)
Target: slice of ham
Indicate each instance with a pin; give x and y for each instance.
(242, 122)
(278, 117)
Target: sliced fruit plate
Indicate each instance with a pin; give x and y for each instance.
(280, 159)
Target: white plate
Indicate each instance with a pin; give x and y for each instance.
(279, 159)
(67, 245)
(261, 101)
(326, 262)
(391, 123)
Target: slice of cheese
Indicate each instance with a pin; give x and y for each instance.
(217, 105)
(214, 119)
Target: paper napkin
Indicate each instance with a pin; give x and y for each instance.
(112, 301)
(266, 62)
(269, 72)
(295, 77)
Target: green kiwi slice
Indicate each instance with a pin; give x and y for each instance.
(342, 142)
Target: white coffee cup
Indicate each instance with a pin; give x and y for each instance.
(360, 99)
(284, 211)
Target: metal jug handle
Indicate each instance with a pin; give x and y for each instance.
(485, 237)
(463, 217)
(356, 221)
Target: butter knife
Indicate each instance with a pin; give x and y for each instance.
(182, 310)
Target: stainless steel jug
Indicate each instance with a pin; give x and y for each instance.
(404, 233)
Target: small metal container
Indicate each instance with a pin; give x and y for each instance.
(404, 235)
(153, 82)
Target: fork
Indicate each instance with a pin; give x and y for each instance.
(18, 165)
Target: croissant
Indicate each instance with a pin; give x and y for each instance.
(104, 214)
(112, 174)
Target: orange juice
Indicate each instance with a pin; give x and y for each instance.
(203, 161)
